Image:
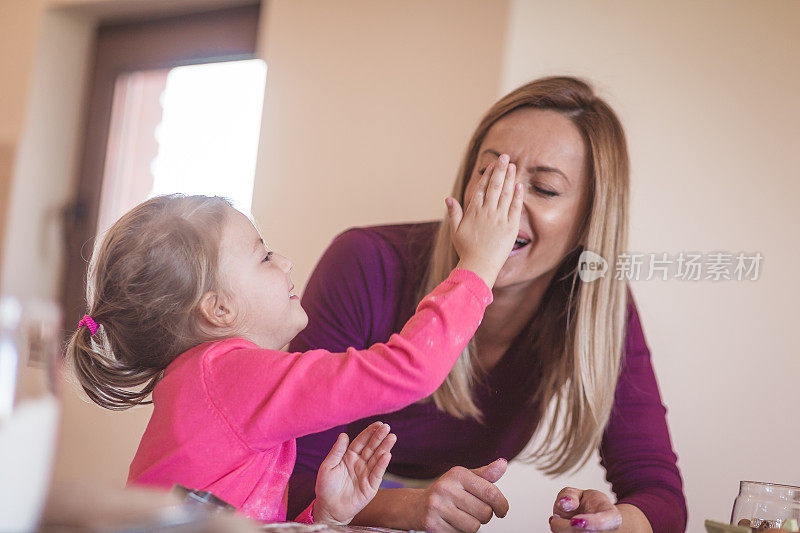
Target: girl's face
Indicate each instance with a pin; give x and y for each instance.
(551, 161)
(258, 283)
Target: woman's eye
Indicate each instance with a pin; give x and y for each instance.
(481, 171)
(543, 192)
(268, 257)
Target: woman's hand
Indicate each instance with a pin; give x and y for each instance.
(584, 510)
(484, 233)
(349, 476)
(461, 500)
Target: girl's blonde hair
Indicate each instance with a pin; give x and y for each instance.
(578, 331)
(145, 281)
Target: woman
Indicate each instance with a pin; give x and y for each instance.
(557, 363)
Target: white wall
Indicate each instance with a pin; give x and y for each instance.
(708, 94)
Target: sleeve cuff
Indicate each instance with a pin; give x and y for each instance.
(662, 516)
(307, 516)
(473, 283)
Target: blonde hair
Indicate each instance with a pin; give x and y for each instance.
(578, 331)
(145, 281)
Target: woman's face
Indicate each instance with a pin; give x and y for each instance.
(551, 161)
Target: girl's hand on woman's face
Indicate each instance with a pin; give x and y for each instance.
(485, 232)
(584, 510)
(461, 500)
(349, 476)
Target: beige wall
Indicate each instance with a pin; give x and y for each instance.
(19, 20)
(708, 94)
(367, 110)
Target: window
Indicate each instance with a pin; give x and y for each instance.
(175, 106)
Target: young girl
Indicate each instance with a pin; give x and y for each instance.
(188, 304)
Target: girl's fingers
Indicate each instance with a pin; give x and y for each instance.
(507, 192)
(337, 452)
(478, 197)
(454, 213)
(515, 209)
(363, 438)
(495, 185)
(379, 469)
(385, 447)
(377, 438)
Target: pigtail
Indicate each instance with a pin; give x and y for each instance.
(107, 381)
(144, 283)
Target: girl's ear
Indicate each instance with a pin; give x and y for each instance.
(216, 310)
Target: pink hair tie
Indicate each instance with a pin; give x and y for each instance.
(89, 323)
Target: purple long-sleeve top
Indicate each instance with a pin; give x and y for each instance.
(365, 288)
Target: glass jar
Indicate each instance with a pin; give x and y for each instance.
(765, 505)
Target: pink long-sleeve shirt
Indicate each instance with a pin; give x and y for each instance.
(227, 413)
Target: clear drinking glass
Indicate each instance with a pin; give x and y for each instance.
(30, 336)
(765, 505)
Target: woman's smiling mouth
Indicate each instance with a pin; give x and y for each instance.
(522, 241)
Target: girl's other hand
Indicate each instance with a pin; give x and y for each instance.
(349, 476)
(484, 234)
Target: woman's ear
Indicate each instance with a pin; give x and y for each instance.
(216, 310)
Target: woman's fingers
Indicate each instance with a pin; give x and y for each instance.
(486, 492)
(493, 471)
(584, 510)
(567, 502)
(602, 521)
(461, 500)
(438, 524)
(462, 522)
(608, 520)
(473, 506)
(560, 525)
